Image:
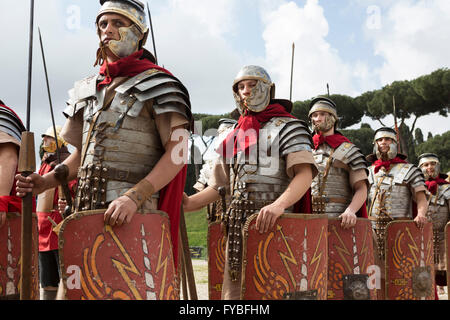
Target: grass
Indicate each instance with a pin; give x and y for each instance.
(197, 229)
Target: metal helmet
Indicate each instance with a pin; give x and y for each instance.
(132, 38)
(429, 157)
(386, 132)
(50, 132)
(326, 105)
(261, 94)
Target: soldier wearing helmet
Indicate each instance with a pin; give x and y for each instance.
(340, 188)
(395, 185)
(48, 213)
(265, 164)
(125, 122)
(438, 211)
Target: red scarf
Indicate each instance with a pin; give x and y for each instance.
(387, 164)
(127, 67)
(333, 141)
(432, 184)
(241, 138)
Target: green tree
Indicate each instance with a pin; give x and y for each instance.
(362, 138)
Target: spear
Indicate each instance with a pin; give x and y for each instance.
(151, 29)
(27, 165)
(396, 126)
(61, 171)
(292, 69)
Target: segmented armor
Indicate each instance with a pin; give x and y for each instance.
(120, 147)
(331, 190)
(256, 183)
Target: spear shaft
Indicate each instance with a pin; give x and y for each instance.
(27, 165)
(61, 171)
(151, 30)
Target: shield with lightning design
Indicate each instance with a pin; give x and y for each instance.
(216, 260)
(287, 262)
(409, 265)
(350, 257)
(130, 262)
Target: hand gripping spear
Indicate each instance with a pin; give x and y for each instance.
(61, 170)
(27, 165)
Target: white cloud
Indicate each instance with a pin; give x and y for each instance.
(413, 40)
(316, 61)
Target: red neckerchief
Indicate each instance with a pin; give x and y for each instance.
(387, 164)
(334, 140)
(127, 67)
(240, 137)
(432, 184)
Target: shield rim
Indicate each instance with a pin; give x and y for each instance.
(76, 216)
(373, 249)
(386, 265)
(245, 237)
(209, 261)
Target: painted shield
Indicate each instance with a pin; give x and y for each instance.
(131, 262)
(288, 262)
(216, 260)
(350, 261)
(10, 250)
(409, 266)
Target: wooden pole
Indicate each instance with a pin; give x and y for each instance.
(187, 257)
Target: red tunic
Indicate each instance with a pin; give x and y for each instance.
(48, 240)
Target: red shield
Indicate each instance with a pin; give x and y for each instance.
(10, 251)
(216, 260)
(131, 262)
(287, 262)
(350, 259)
(409, 261)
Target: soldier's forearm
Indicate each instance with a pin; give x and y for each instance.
(8, 165)
(422, 204)
(201, 199)
(297, 188)
(359, 197)
(72, 162)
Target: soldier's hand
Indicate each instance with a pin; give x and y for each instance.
(420, 221)
(186, 207)
(267, 217)
(120, 211)
(33, 183)
(2, 219)
(348, 219)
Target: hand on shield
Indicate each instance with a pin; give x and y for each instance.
(348, 219)
(268, 216)
(420, 221)
(34, 183)
(120, 211)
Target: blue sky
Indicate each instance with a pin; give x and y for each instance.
(355, 45)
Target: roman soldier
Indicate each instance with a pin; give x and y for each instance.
(438, 211)
(11, 128)
(397, 191)
(265, 164)
(340, 188)
(128, 126)
(48, 214)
